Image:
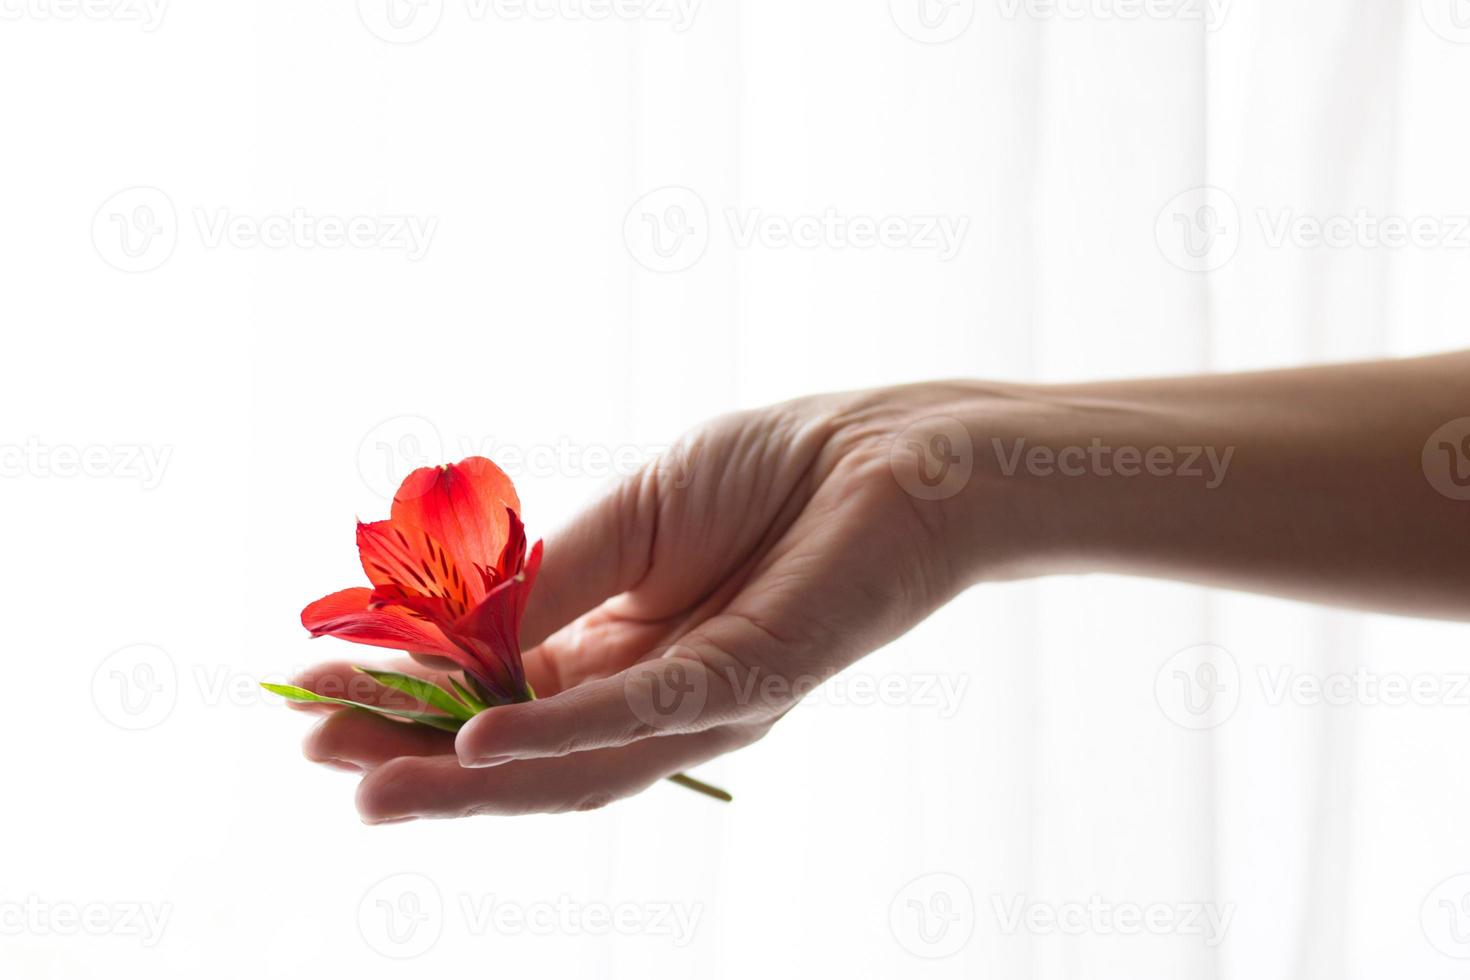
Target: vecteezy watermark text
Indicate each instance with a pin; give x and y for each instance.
(1200, 687)
(669, 229)
(942, 234)
(137, 687)
(1097, 458)
(934, 915)
(672, 692)
(1211, 13)
(409, 21)
(138, 229)
(1202, 229)
(1099, 917)
(35, 916)
(397, 446)
(299, 228)
(404, 915)
(97, 461)
(147, 14)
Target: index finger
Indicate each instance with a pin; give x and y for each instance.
(697, 684)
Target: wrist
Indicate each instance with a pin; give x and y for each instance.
(1086, 478)
(963, 453)
(1010, 513)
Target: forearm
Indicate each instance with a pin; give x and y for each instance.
(1307, 483)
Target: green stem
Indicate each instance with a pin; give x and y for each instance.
(689, 782)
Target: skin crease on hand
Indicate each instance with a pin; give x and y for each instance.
(781, 545)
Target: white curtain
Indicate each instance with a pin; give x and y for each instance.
(1016, 757)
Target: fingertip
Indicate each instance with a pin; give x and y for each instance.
(474, 745)
(311, 745)
(384, 794)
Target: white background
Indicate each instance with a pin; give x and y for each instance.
(289, 383)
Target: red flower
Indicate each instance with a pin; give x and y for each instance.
(450, 577)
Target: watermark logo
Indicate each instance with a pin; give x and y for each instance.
(678, 14)
(676, 922)
(1446, 459)
(394, 448)
(1208, 464)
(1201, 687)
(408, 21)
(1445, 917)
(1100, 917)
(776, 693)
(404, 916)
(35, 916)
(1363, 688)
(933, 916)
(667, 230)
(397, 446)
(401, 916)
(933, 458)
(1363, 229)
(941, 234)
(1450, 19)
(668, 693)
(1198, 687)
(1199, 230)
(124, 461)
(400, 21)
(410, 234)
(147, 14)
(136, 229)
(932, 21)
(139, 687)
(136, 687)
(1211, 13)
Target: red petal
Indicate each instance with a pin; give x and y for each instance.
(462, 506)
(494, 625)
(470, 653)
(346, 614)
(513, 555)
(414, 563)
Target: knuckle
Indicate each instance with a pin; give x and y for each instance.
(638, 730)
(565, 745)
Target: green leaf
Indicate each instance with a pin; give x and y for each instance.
(464, 695)
(431, 694)
(440, 722)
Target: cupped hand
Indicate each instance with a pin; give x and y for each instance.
(684, 613)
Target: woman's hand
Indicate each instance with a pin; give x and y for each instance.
(682, 615)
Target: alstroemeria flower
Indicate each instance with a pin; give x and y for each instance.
(450, 577)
